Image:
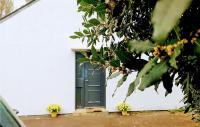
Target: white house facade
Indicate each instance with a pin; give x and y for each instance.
(38, 65)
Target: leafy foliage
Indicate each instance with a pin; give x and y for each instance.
(6, 6)
(165, 31)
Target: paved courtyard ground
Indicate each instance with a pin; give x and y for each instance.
(138, 119)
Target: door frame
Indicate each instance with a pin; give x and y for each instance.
(76, 107)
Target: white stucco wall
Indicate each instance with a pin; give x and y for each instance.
(37, 65)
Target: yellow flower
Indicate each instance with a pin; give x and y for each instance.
(54, 108)
(123, 107)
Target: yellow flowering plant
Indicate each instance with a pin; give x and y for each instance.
(123, 107)
(54, 108)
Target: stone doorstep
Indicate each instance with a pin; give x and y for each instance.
(90, 110)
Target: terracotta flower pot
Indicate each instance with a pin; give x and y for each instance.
(125, 113)
(54, 114)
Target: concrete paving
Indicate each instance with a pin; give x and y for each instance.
(136, 119)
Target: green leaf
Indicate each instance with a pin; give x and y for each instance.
(94, 22)
(74, 37)
(103, 31)
(197, 47)
(101, 11)
(122, 80)
(177, 31)
(95, 55)
(86, 31)
(84, 53)
(86, 8)
(115, 63)
(114, 75)
(154, 75)
(87, 25)
(83, 60)
(131, 89)
(101, 51)
(166, 15)
(167, 82)
(120, 83)
(79, 34)
(141, 46)
(146, 69)
(177, 52)
(100, 7)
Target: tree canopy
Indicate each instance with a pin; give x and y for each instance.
(165, 31)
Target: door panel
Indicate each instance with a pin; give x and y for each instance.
(90, 85)
(79, 84)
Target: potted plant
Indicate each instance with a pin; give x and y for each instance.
(124, 108)
(54, 109)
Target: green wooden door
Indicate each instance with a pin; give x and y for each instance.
(90, 85)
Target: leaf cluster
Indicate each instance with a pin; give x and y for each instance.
(166, 32)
